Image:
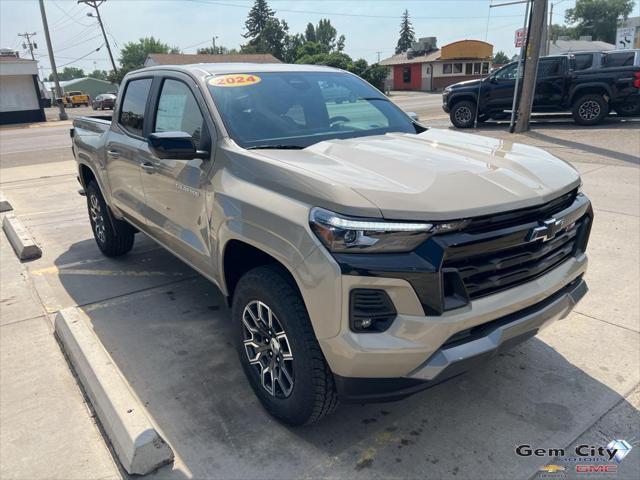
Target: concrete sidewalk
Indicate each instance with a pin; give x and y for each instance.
(47, 430)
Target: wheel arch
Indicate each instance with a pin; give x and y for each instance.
(590, 88)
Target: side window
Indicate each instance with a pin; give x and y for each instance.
(133, 105)
(178, 111)
(507, 73)
(622, 59)
(548, 68)
(582, 61)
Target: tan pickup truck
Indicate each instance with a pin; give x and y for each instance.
(365, 256)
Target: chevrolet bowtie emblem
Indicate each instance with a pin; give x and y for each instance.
(546, 231)
(552, 468)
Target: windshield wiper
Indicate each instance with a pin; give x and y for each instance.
(275, 147)
(374, 98)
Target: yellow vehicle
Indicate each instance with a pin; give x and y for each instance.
(76, 99)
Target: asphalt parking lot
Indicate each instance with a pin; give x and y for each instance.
(168, 330)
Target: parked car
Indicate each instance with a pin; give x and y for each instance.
(102, 101)
(587, 84)
(76, 99)
(365, 257)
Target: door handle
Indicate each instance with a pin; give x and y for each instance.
(113, 153)
(148, 167)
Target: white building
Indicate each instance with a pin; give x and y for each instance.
(19, 91)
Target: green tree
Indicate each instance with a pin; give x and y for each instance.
(69, 73)
(272, 39)
(598, 18)
(375, 74)
(291, 46)
(326, 35)
(407, 35)
(310, 33)
(134, 54)
(218, 50)
(557, 31)
(500, 58)
(99, 74)
(257, 19)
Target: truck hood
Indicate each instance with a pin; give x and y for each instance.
(438, 174)
(465, 84)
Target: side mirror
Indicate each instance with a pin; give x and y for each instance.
(174, 145)
(493, 79)
(413, 116)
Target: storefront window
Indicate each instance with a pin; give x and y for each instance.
(446, 68)
(476, 68)
(468, 68)
(457, 68)
(485, 68)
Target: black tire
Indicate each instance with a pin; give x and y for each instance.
(463, 114)
(94, 106)
(312, 393)
(628, 109)
(114, 237)
(590, 109)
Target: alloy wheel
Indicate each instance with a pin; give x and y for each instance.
(97, 218)
(589, 110)
(268, 349)
(463, 115)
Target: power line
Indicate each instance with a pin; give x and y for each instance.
(95, 4)
(31, 44)
(82, 57)
(341, 14)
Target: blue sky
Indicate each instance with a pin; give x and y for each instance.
(369, 25)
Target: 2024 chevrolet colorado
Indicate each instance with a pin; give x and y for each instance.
(365, 256)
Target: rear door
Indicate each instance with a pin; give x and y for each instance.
(176, 190)
(121, 149)
(551, 81)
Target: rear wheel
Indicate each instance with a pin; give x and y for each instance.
(463, 114)
(628, 109)
(590, 109)
(114, 237)
(278, 350)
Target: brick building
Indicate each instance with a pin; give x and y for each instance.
(428, 68)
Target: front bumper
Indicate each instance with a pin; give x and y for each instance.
(457, 356)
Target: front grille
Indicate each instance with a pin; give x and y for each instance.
(491, 270)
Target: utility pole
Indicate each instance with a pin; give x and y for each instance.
(59, 96)
(31, 44)
(534, 44)
(548, 49)
(95, 4)
(378, 56)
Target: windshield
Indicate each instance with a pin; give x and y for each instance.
(298, 109)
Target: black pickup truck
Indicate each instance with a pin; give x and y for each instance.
(588, 84)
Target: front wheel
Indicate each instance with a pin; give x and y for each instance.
(590, 109)
(114, 237)
(463, 114)
(278, 350)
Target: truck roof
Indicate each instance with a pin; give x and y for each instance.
(218, 68)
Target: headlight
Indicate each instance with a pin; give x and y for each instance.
(347, 234)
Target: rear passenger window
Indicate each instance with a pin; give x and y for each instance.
(548, 68)
(178, 111)
(133, 105)
(582, 61)
(622, 59)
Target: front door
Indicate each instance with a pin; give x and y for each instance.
(176, 190)
(121, 150)
(498, 89)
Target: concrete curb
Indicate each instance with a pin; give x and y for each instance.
(20, 238)
(5, 206)
(136, 442)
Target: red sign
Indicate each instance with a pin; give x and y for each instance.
(585, 468)
(521, 37)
